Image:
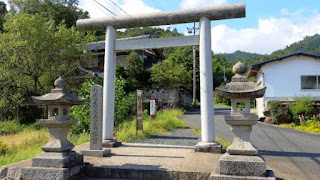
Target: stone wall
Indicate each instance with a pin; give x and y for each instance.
(177, 97)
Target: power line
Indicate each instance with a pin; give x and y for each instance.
(118, 7)
(105, 8)
(186, 3)
(98, 7)
(112, 6)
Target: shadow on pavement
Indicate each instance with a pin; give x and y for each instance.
(173, 137)
(313, 156)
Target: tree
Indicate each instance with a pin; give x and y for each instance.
(33, 53)
(170, 75)
(58, 10)
(3, 12)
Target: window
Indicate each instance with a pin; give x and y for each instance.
(310, 82)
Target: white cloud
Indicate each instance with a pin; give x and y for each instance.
(270, 35)
(130, 6)
(186, 4)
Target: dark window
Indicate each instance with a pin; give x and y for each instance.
(309, 82)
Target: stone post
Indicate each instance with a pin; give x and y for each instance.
(109, 88)
(96, 125)
(208, 143)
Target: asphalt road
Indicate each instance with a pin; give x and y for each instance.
(291, 154)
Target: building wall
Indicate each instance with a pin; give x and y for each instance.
(283, 79)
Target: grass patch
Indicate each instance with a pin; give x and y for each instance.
(222, 105)
(311, 126)
(224, 143)
(27, 144)
(165, 120)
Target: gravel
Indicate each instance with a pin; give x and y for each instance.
(180, 136)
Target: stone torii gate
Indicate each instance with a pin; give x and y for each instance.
(201, 15)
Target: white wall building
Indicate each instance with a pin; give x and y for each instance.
(286, 77)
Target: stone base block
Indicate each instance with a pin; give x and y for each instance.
(44, 173)
(110, 143)
(216, 176)
(213, 147)
(57, 160)
(242, 165)
(97, 153)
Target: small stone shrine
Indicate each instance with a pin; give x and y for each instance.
(241, 161)
(58, 161)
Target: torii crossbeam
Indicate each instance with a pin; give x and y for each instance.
(201, 15)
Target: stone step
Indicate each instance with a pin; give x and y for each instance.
(104, 172)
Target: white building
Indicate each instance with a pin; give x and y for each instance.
(286, 77)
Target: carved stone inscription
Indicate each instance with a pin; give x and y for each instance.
(96, 118)
(139, 111)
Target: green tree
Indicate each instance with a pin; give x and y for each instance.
(33, 53)
(3, 12)
(170, 75)
(58, 10)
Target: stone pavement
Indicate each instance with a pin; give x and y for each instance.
(143, 161)
(152, 161)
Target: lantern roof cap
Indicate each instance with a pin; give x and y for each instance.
(239, 87)
(58, 95)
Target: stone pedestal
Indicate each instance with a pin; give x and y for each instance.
(110, 143)
(55, 165)
(213, 147)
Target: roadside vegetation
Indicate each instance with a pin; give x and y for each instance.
(300, 114)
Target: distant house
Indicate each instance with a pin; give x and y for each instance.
(286, 77)
(150, 56)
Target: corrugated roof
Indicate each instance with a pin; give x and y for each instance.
(255, 67)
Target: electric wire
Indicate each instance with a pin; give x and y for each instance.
(118, 7)
(105, 8)
(99, 7)
(112, 6)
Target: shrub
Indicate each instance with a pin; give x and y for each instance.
(303, 105)
(278, 113)
(10, 127)
(3, 148)
(123, 105)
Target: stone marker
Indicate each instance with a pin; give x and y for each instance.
(96, 125)
(241, 161)
(139, 123)
(58, 161)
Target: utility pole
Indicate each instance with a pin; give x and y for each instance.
(194, 95)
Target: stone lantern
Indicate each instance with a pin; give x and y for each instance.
(241, 161)
(59, 101)
(58, 161)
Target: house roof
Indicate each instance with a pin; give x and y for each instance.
(255, 67)
(101, 44)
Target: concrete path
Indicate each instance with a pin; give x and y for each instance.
(291, 154)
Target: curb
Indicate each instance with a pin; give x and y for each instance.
(297, 130)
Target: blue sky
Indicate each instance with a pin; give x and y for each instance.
(269, 25)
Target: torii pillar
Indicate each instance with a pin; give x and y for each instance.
(202, 15)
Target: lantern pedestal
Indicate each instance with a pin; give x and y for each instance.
(213, 147)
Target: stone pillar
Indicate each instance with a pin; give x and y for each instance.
(96, 124)
(109, 88)
(208, 143)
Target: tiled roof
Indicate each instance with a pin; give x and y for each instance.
(255, 67)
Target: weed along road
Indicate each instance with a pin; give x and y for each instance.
(291, 154)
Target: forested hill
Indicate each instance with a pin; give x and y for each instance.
(238, 55)
(310, 44)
